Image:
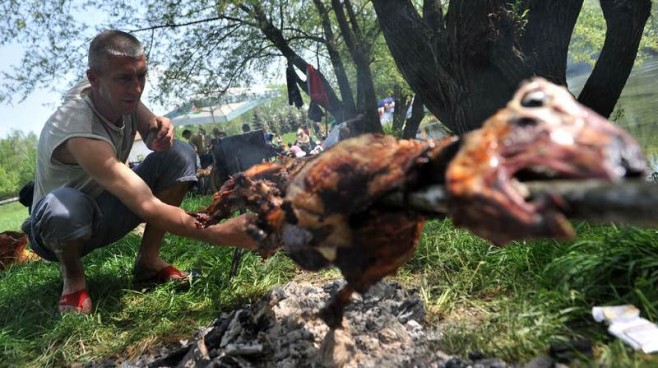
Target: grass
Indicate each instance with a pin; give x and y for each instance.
(509, 302)
(12, 216)
(532, 294)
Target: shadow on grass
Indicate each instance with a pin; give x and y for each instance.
(29, 293)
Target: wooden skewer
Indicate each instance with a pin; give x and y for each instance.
(631, 202)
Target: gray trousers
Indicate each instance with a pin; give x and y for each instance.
(67, 214)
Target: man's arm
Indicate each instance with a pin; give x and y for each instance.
(157, 131)
(119, 180)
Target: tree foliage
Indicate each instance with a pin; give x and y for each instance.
(462, 60)
(201, 48)
(589, 34)
(17, 162)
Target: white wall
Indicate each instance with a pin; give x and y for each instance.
(139, 151)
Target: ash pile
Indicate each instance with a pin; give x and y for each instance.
(382, 328)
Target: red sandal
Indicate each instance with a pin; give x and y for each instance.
(167, 274)
(75, 302)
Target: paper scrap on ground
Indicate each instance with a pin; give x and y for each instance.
(627, 325)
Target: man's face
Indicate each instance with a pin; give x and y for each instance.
(119, 87)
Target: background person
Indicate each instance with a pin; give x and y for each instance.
(303, 139)
(346, 129)
(198, 142)
(203, 142)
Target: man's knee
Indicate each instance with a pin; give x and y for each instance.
(161, 170)
(64, 214)
(180, 154)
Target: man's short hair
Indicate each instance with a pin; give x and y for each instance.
(112, 43)
(187, 133)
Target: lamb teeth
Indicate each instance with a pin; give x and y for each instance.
(520, 188)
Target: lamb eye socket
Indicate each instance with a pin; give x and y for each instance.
(534, 99)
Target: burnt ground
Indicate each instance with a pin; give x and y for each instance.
(382, 328)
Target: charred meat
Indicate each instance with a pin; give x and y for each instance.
(323, 211)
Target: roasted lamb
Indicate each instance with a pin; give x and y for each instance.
(327, 210)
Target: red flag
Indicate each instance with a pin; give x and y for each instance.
(315, 86)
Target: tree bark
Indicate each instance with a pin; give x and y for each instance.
(625, 20)
(546, 37)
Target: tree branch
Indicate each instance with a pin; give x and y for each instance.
(336, 61)
(366, 98)
(177, 25)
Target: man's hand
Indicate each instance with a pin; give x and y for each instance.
(160, 134)
(234, 232)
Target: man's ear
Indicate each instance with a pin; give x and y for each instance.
(92, 77)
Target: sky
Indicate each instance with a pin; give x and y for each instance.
(31, 114)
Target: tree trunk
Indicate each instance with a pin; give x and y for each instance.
(417, 114)
(625, 20)
(361, 57)
(349, 107)
(463, 72)
(546, 37)
(412, 44)
(401, 105)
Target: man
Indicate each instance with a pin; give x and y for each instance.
(342, 131)
(193, 142)
(85, 197)
(203, 142)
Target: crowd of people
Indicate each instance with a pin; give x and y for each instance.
(307, 142)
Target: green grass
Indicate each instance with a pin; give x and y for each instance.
(513, 302)
(12, 216)
(510, 302)
(124, 320)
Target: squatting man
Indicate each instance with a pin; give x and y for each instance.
(85, 197)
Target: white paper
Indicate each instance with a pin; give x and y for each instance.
(627, 325)
(615, 313)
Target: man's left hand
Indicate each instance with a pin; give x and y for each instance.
(160, 135)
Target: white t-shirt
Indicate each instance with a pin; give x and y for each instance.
(334, 136)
